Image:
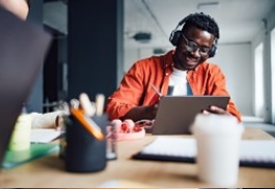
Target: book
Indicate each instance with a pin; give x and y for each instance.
(253, 153)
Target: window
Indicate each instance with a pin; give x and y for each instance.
(273, 74)
(259, 81)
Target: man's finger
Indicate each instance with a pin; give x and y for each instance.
(218, 110)
(205, 112)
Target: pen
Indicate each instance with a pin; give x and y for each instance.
(155, 89)
(87, 123)
(155, 98)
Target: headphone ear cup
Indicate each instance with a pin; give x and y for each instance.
(174, 37)
(213, 50)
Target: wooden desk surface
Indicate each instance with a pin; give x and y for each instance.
(48, 172)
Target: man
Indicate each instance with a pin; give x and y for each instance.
(20, 8)
(184, 70)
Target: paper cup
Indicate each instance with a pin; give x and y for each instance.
(218, 142)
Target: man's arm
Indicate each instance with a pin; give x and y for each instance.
(124, 102)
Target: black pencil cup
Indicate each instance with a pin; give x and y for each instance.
(84, 153)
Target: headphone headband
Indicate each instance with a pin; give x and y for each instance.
(175, 35)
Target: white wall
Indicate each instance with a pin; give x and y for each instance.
(235, 62)
(132, 55)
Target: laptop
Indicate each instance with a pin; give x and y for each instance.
(176, 113)
(22, 50)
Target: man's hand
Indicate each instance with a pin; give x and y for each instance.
(216, 110)
(151, 111)
(141, 112)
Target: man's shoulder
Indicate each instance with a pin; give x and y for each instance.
(209, 66)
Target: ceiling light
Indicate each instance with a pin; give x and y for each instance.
(143, 37)
(158, 51)
(208, 5)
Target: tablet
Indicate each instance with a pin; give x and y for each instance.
(176, 113)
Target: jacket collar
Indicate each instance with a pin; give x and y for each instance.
(168, 60)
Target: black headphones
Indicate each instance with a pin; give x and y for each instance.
(175, 36)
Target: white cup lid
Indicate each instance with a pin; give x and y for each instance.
(213, 124)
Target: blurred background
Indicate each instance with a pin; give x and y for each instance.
(96, 42)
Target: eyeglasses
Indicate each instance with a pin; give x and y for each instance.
(192, 46)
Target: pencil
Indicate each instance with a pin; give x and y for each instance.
(87, 123)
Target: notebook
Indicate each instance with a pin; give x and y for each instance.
(176, 113)
(22, 49)
(253, 153)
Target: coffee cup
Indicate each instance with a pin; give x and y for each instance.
(218, 140)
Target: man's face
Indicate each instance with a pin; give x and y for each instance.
(193, 48)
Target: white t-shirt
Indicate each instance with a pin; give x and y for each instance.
(178, 82)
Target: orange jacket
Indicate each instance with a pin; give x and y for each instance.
(136, 87)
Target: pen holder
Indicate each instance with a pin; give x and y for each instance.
(84, 153)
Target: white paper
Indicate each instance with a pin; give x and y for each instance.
(45, 135)
(172, 146)
(250, 150)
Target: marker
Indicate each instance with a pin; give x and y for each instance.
(99, 103)
(86, 105)
(87, 123)
(74, 103)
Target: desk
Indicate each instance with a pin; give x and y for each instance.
(48, 172)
